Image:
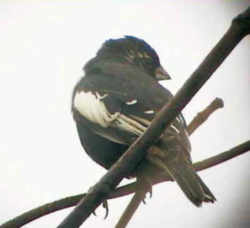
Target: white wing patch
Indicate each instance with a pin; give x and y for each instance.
(180, 119)
(100, 97)
(131, 102)
(173, 127)
(93, 109)
(128, 124)
(90, 106)
(149, 112)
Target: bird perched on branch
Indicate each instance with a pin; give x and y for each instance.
(115, 102)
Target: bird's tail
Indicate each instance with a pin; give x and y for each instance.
(176, 164)
(190, 182)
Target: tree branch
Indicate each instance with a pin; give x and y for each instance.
(131, 208)
(201, 117)
(67, 202)
(201, 165)
(197, 121)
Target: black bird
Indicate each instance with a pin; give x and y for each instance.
(115, 102)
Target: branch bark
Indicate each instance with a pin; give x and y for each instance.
(133, 205)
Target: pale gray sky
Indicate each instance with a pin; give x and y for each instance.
(44, 45)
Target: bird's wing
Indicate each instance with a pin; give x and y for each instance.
(120, 103)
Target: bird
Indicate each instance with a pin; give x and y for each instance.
(114, 103)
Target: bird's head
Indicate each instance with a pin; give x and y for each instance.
(134, 51)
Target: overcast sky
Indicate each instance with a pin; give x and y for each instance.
(43, 47)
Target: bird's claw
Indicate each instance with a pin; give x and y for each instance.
(106, 207)
(145, 183)
(150, 191)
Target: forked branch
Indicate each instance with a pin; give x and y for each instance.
(71, 201)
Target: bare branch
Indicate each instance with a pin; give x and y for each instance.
(67, 202)
(201, 165)
(131, 208)
(203, 116)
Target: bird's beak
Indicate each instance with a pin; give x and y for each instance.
(161, 74)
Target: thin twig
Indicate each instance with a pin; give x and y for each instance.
(201, 117)
(131, 208)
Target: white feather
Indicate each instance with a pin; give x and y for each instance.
(131, 102)
(178, 118)
(149, 112)
(100, 97)
(93, 109)
(173, 127)
(128, 124)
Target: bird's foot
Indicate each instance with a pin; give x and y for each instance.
(104, 205)
(145, 184)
